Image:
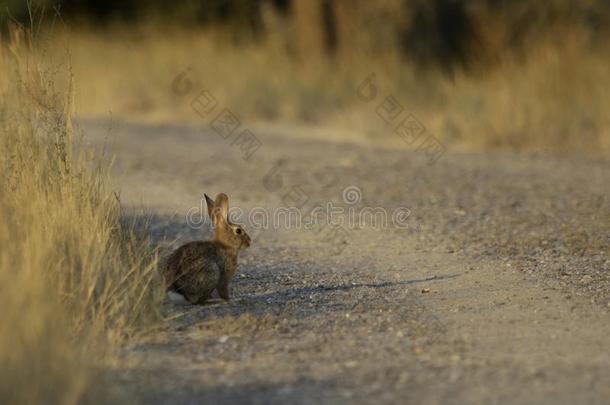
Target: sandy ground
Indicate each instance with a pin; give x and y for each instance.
(497, 292)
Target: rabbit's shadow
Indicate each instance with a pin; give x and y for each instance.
(305, 293)
(294, 302)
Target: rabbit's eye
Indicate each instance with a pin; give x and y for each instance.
(238, 231)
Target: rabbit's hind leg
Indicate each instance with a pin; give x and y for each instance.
(202, 300)
(194, 299)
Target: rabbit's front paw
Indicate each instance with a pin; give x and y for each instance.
(223, 292)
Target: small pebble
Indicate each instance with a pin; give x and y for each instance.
(586, 279)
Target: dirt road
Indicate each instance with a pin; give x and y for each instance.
(497, 292)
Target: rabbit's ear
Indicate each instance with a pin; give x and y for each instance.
(210, 203)
(221, 208)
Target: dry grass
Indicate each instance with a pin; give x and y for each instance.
(551, 99)
(73, 280)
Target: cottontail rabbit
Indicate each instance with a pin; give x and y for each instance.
(196, 269)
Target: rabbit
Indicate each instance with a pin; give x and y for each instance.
(198, 268)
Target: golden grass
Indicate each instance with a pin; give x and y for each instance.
(551, 99)
(73, 281)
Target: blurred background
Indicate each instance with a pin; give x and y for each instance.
(516, 75)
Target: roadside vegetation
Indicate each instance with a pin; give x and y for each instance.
(74, 281)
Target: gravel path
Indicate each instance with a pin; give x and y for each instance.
(497, 292)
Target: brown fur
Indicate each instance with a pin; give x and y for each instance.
(198, 268)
